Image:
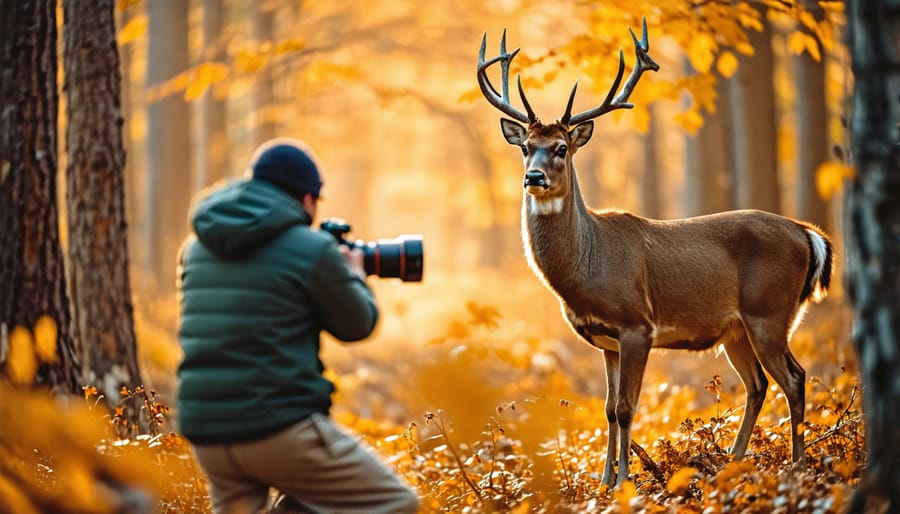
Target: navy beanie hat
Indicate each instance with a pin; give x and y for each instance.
(288, 163)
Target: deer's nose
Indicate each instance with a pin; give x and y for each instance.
(535, 178)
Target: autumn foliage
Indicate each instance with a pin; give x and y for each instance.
(489, 411)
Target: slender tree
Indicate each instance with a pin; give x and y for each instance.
(753, 117)
(708, 184)
(212, 137)
(812, 131)
(872, 226)
(32, 279)
(98, 244)
(168, 177)
(263, 97)
(650, 186)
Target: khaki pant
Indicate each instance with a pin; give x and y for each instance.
(314, 463)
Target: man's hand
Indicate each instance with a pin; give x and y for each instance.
(354, 259)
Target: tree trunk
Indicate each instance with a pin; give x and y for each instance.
(265, 126)
(98, 242)
(812, 132)
(213, 162)
(650, 198)
(32, 278)
(168, 176)
(132, 190)
(753, 110)
(708, 182)
(872, 234)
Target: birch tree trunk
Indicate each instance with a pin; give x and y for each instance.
(32, 278)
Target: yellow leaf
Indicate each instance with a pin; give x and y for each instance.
(830, 177)
(624, 495)
(690, 120)
(21, 364)
(680, 480)
(797, 42)
(198, 83)
(727, 64)
(133, 30)
(812, 46)
(45, 339)
(701, 52)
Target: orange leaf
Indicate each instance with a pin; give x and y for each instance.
(680, 480)
(830, 177)
(727, 64)
(45, 339)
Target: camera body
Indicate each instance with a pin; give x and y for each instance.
(401, 257)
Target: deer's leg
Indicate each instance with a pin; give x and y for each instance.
(634, 348)
(612, 387)
(744, 362)
(769, 339)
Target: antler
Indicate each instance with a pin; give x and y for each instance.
(643, 62)
(498, 101)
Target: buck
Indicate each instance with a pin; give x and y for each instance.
(628, 284)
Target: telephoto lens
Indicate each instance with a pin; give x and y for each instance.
(401, 257)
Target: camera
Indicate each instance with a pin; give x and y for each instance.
(401, 257)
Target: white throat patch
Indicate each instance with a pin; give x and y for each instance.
(539, 206)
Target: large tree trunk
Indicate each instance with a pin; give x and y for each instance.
(213, 156)
(708, 182)
(872, 235)
(812, 132)
(168, 176)
(98, 242)
(32, 279)
(753, 111)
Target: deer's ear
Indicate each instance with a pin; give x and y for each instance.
(512, 131)
(582, 133)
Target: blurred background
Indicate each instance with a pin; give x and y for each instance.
(745, 112)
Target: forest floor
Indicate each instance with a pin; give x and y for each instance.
(478, 395)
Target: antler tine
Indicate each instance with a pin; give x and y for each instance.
(565, 119)
(643, 62)
(501, 100)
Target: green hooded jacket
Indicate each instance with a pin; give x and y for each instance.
(257, 285)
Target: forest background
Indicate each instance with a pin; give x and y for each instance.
(472, 386)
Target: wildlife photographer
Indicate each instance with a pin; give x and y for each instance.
(257, 286)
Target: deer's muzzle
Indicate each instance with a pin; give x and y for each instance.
(536, 179)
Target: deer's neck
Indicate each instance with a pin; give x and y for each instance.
(558, 237)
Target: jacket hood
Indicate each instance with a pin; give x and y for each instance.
(243, 215)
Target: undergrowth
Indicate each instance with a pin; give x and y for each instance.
(484, 416)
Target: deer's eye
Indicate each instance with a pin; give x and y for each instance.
(524, 150)
(561, 151)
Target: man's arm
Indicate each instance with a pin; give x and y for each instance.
(344, 303)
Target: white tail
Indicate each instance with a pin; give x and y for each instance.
(628, 284)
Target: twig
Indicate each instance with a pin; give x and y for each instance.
(648, 463)
(439, 423)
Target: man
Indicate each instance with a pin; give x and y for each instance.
(257, 286)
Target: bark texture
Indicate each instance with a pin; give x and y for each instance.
(872, 224)
(32, 278)
(98, 242)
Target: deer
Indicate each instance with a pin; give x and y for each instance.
(740, 280)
